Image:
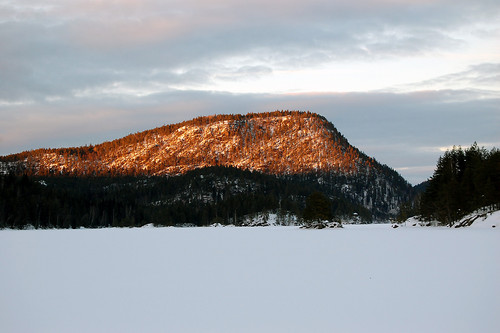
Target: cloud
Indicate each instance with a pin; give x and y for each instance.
(60, 48)
(244, 72)
(484, 76)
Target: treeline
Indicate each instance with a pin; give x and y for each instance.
(464, 181)
(200, 197)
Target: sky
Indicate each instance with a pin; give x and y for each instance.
(402, 80)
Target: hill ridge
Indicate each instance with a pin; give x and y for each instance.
(284, 144)
(279, 142)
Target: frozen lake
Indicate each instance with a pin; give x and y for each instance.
(268, 279)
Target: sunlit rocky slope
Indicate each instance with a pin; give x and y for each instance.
(275, 143)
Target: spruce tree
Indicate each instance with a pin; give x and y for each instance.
(318, 208)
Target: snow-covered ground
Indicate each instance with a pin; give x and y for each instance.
(272, 279)
(482, 218)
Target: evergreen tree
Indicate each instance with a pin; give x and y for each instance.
(318, 208)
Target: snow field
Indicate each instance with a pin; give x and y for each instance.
(270, 279)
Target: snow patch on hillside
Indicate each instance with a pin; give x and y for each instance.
(266, 219)
(481, 219)
(415, 221)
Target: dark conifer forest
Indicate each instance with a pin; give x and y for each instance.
(198, 198)
(464, 181)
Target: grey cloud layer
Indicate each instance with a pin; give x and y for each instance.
(483, 76)
(60, 48)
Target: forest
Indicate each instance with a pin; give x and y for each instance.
(464, 180)
(198, 198)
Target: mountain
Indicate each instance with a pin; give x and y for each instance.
(274, 143)
(284, 144)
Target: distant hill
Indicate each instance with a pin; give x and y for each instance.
(274, 143)
(281, 143)
(420, 188)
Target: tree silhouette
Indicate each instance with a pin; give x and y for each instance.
(464, 180)
(318, 208)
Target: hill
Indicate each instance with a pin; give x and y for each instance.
(275, 143)
(291, 147)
